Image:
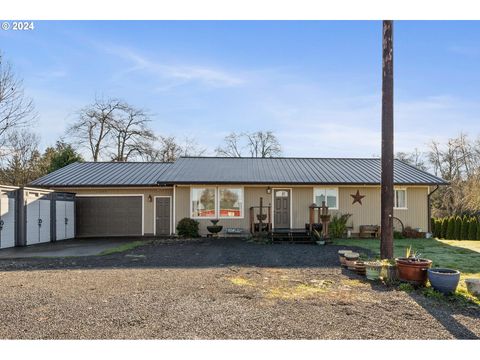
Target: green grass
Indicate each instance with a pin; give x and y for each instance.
(462, 255)
(124, 247)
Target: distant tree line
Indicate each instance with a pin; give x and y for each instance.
(456, 228)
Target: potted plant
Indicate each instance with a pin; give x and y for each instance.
(261, 217)
(350, 259)
(412, 268)
(214, 229)
(341, 256)
(389, 270)
(444, 280)
(473, 286)
(373, 269)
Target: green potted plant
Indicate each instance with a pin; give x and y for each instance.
(373, 269)
(412, 268)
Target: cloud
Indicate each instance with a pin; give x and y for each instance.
(177, 74)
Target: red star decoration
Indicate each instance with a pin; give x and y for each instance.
(357, 197)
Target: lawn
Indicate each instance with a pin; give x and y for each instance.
(463, 255)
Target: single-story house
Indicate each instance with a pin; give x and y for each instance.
(150, 198)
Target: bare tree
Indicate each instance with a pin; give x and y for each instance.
(190, 147)
(93, 127)
(232, 146)
(263, 144)
(131, 134)
(415, 158)
(259, 144)
(16, 109)
(23, 163)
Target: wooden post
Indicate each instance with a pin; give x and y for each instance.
(260, 220)
(252, 221)
(269, 217)
(311, 219)
(387, 191)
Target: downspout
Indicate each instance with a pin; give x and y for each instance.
(429, 208)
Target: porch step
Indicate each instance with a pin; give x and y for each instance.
(297, 236)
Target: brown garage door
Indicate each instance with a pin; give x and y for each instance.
(109, 216)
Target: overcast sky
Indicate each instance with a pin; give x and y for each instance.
(317, 85)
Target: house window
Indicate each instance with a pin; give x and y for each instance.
(400, 198)
(203, 202)
(329, 195)
(230, 202)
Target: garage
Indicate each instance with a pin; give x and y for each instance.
(109, 215)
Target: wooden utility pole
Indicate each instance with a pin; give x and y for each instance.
(387, 191)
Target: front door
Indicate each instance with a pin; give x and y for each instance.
(162, 216)
(281, 216)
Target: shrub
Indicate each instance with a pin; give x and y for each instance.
(458, 227)
(438, 227)
(338, 225)
(443, 232)
(464, 235)
(472, 229)
(398, 235)
(451, 228)
(188, 228)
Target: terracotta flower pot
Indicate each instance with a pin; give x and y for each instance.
(341, 256)
(413, 270)
(360, 268)
(350, 259)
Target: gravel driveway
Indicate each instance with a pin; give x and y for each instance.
(215, 289)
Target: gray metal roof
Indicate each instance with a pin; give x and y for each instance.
(88, 174)
(215, 170)
(205, 170)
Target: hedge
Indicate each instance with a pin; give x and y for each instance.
(456, 228)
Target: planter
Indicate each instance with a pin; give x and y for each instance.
(341, 256)
(390, 273)
(444, 280)
(360, 268)
(262, 217)
(473, 286)
(413, 270)
(373, 270)
(350, 259)
(214, 229)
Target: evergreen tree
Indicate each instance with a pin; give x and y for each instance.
(458, 227)
(451, 228)
(478, 231)
(444, 228)
(465, 223)
(472, 228)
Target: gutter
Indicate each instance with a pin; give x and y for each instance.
(429, 208)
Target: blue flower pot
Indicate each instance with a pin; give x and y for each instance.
(444, 280)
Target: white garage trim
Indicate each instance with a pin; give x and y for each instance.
(155, 213)
(122, 195)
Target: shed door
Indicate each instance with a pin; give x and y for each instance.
(60, 220)
(44, 221)
(282, 209)
(162, 216)
(69, 219)
(33, 212)
(7, 222)
(109, 216)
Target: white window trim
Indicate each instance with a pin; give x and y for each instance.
(406, 198)
(216, 203)
(242, 209)
(327, 188)
(155, 213)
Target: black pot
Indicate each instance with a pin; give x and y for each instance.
(214, 229)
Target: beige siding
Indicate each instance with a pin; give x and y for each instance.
(302, 197)
(148, 206)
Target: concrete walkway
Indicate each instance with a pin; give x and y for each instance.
(65, 248)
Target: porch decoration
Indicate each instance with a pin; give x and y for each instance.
(214, 229)
(357, 197)
(260, 218)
